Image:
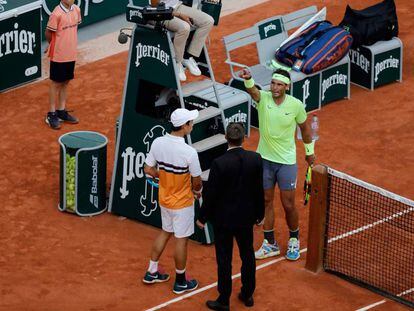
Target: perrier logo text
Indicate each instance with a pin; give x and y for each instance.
(17, 41)
(152, 52)
(385, 64)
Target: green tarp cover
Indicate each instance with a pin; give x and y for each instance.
(78, 140)
(10, 7)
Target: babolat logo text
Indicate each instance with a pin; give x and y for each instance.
(17, 41)
(269, 28)
(238, 117)
(387, 63)
(335, 79)
(94, 189)
(152, 52)
(360, 60)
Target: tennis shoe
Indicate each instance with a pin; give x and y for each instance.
(293, 249)
(181, 72)
(64, 116)
(188, 286)
(156, 277)
(191, 64)
(52, 120)
(267, 250)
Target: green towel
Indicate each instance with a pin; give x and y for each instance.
(275, 65)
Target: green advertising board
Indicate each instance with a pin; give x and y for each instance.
(387, 67)
(151, 94)
(361, 66)
(270, 29)
(377, 64)
(307, 90)
(149, 58)
(334, 83)
(20, 42)
(239, 114)
(92, 10)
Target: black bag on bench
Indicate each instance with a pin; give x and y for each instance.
(372, 24)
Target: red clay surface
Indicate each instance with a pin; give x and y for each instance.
(56, 261)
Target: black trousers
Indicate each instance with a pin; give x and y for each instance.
(224, 252)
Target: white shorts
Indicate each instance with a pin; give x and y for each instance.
(179, 221)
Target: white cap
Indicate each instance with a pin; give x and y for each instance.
(181, 116)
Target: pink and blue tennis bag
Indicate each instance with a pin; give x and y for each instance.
(318, 46)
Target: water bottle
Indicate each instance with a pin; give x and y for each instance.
(298, 133)
(315, 127)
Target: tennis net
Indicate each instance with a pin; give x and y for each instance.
(369, 237)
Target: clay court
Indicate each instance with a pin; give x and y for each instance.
(57, 261)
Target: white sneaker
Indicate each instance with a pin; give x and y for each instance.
(267, 250)
(181, 72)
(191, 64)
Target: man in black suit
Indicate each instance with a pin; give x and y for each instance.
(233, 201)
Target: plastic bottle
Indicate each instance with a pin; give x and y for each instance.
(315, 127)
(298, 133)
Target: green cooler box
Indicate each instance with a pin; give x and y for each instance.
(20, 42)
(83, 173)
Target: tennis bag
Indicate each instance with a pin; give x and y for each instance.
(372, 24)
(318, 46)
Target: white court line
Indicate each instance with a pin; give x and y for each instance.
(378, 222)
(372, 305)
(408, 291)
(212, 285)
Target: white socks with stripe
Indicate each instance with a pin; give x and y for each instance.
(153, 266)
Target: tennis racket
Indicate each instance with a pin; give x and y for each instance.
(307, 185)
(152, 181)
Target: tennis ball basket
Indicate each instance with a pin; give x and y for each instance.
(83, 173)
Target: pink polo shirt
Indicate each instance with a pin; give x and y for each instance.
(64, 24)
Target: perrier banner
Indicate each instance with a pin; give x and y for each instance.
(149, 59)
(92, 10)
(20, 42)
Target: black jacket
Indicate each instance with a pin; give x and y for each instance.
(233, 195)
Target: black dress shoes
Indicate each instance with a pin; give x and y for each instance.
(248, 302)
(215, 305)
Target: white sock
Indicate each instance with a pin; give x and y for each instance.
(153, 266)
(180, 271)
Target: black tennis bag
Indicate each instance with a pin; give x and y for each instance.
(372, 24)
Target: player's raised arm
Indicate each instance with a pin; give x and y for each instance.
(249, 84)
